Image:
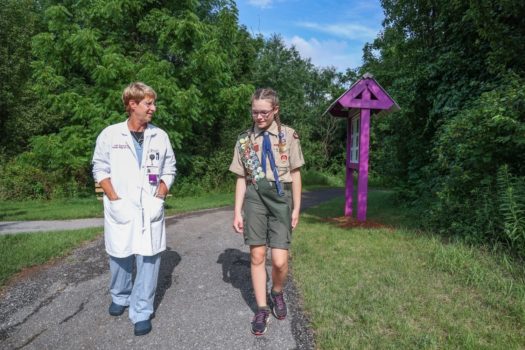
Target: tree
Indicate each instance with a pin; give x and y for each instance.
(191, 52)
(454, 67)
(20, 20)
(305, 92)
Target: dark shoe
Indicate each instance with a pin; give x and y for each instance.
(142, 327)
(260, 321)
(116, 309)
(279, 308)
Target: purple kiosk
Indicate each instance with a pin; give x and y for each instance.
(363, 98)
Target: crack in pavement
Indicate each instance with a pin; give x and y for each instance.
(4, 332)
(81, 306)
(30, 340)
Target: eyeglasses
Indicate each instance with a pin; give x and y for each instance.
(149, 104)
(264, 114)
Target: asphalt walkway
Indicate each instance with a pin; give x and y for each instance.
(204, 297)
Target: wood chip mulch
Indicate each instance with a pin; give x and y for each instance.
(350, 222)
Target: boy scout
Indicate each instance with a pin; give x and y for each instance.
(267, 160)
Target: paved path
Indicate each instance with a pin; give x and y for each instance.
(204, 297)
(7, 227)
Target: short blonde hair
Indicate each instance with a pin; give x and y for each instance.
(137, 91)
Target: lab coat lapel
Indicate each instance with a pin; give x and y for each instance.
(126, 134)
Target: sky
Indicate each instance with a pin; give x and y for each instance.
(329, 32)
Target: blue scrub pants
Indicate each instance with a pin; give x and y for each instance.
(140, 295)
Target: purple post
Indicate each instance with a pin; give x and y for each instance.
(349, 190)
(364, 140)
(365, 96)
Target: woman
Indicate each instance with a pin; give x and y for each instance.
(267, 160)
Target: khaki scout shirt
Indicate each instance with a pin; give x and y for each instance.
(292, 158)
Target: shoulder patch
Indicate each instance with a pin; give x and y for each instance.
(243, 134)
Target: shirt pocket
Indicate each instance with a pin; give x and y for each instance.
(283, 163)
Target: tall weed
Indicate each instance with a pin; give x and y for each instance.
(511, 196)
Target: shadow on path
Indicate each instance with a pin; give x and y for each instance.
(169, 259)
(236, 271)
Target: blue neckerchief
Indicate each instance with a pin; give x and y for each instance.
(267, 152)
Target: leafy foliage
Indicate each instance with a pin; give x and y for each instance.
(469, 150)
(454, 67)
(203, 65)
(19, 22)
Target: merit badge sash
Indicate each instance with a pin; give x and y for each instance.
(275, 203)
(250, 161)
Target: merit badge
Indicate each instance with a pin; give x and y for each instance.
(295, 135)
(256, 147)
(284, 158)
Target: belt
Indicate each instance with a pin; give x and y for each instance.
(284, 185)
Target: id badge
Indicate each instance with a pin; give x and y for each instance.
(153, 175)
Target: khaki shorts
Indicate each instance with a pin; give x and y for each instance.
(261, 227)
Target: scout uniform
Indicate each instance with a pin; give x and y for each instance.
(266, 166)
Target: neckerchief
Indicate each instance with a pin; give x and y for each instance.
(267, 152)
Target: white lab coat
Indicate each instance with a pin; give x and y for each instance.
(133, 224)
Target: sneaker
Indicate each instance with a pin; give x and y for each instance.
(279, 308)
(260, 321)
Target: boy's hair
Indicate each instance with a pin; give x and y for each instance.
(137, 91)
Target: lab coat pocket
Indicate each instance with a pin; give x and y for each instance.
(119, 211)
(156, 209)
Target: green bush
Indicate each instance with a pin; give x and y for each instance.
(470, 150)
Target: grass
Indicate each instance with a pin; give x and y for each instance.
(314, 180)
(29, 249)
(210, 200)
(92, 207)
(50, 210)
(397, 288)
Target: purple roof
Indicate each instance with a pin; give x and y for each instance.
(351, 101)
